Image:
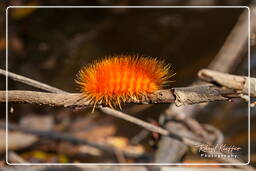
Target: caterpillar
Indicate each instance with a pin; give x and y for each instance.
(116, 79)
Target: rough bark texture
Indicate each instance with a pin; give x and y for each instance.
(197, 94)
(239, 83)
(180, 96)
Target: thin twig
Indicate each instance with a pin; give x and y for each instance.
(191, 141)
(239, 83)
(30, 82)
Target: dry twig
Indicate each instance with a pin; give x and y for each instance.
(30, 82)
(239, 83)
(179, 96)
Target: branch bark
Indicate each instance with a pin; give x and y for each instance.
(179, 96)
(30, 82)
(239, 83)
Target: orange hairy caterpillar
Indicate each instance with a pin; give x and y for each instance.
(115, 80)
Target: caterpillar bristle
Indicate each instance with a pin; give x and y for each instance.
(113, 81)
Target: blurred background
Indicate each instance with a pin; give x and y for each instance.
(51, 45)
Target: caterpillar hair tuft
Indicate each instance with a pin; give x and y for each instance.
(114, 80)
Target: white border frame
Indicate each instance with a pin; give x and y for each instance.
(128, 164)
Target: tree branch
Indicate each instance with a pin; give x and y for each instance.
(239, 83)
(179, 96)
